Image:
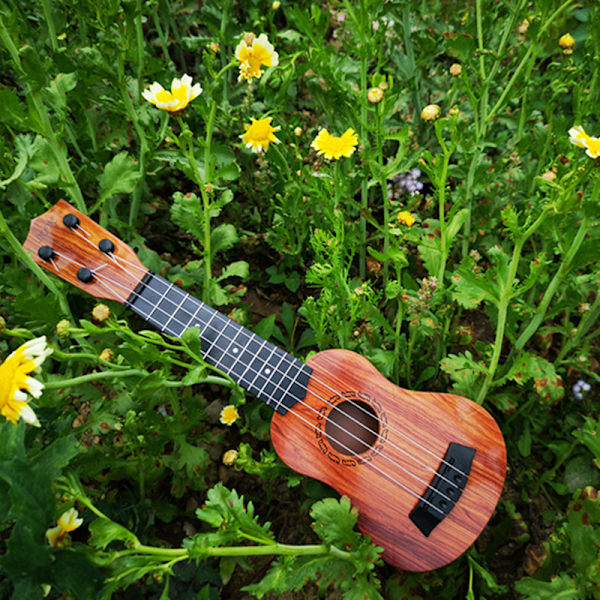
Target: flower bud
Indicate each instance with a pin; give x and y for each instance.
(566, 41)
(106, 355)
(63, 328)
(298, 131)
(276, 5)
(431, 112)
(375, 95)
(2, 324)
(249, 37)
(455, 69)
(230, 457)
(101, 312)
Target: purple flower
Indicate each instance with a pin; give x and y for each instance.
(580, 388)
(407, 182)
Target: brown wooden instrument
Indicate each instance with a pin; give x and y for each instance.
(425, 469)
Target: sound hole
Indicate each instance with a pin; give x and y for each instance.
(352, 427)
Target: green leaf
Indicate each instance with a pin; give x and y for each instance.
(187, 213)
(562, 586)
(264, 328)
(120, 176)
(13, 110)
(455, 225)
(239, 268)
(35, 72)
(44, 163)
(105, 531)
(470, 288)
(56, 93)
(548, 385)
(226, 509)
(465, 371)
(191, 338)
(584, 528)
(589, 435)
(335, 521)
(223, 237)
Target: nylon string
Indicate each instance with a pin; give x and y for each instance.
(271, 397)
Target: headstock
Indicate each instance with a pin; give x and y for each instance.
(74, 247)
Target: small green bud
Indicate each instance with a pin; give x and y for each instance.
(63, 328)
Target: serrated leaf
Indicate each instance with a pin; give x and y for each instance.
(223, 237)
(44, 163)
(547, 384)
(465, 371)
(56, 93)
(335, 521)
(120, 176)
(105, 532)
(562, 586)
(227, 509)
(470, 288)
(239, 268)
(187, 213)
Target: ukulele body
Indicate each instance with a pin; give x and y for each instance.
(388, 474)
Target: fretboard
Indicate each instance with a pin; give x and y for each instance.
(263, 369)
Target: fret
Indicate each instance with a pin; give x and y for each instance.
(221, 363)
(272, 375)
(257, 372)
(269, 382)
(183, 298)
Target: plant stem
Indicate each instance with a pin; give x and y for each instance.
(505, 298)
(59, 384)
(540, 313)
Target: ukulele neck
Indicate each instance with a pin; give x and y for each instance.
(263, 369)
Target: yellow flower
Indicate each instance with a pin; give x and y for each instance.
(580, 138)
(276, 5)
(259, 134)
(332, 147)
(430, 113)
(15, 380)
(455, 69)
(375, 95)
(181, 94)
(229, 415)
(67, 522)
(566, 41)
(253, 53)
(405, 218)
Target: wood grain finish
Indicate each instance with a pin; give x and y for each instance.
(79, 248)
(432, 421)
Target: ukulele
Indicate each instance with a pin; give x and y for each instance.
(425, 469)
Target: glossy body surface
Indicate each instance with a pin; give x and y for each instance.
(388, 472)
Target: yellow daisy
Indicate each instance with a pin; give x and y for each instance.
(580, 138)
(406, 218)
(259, 134)
(229, 415)
(332, 147)
(15, 380)
(68, 521)
(253, 53)
(181, 94)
